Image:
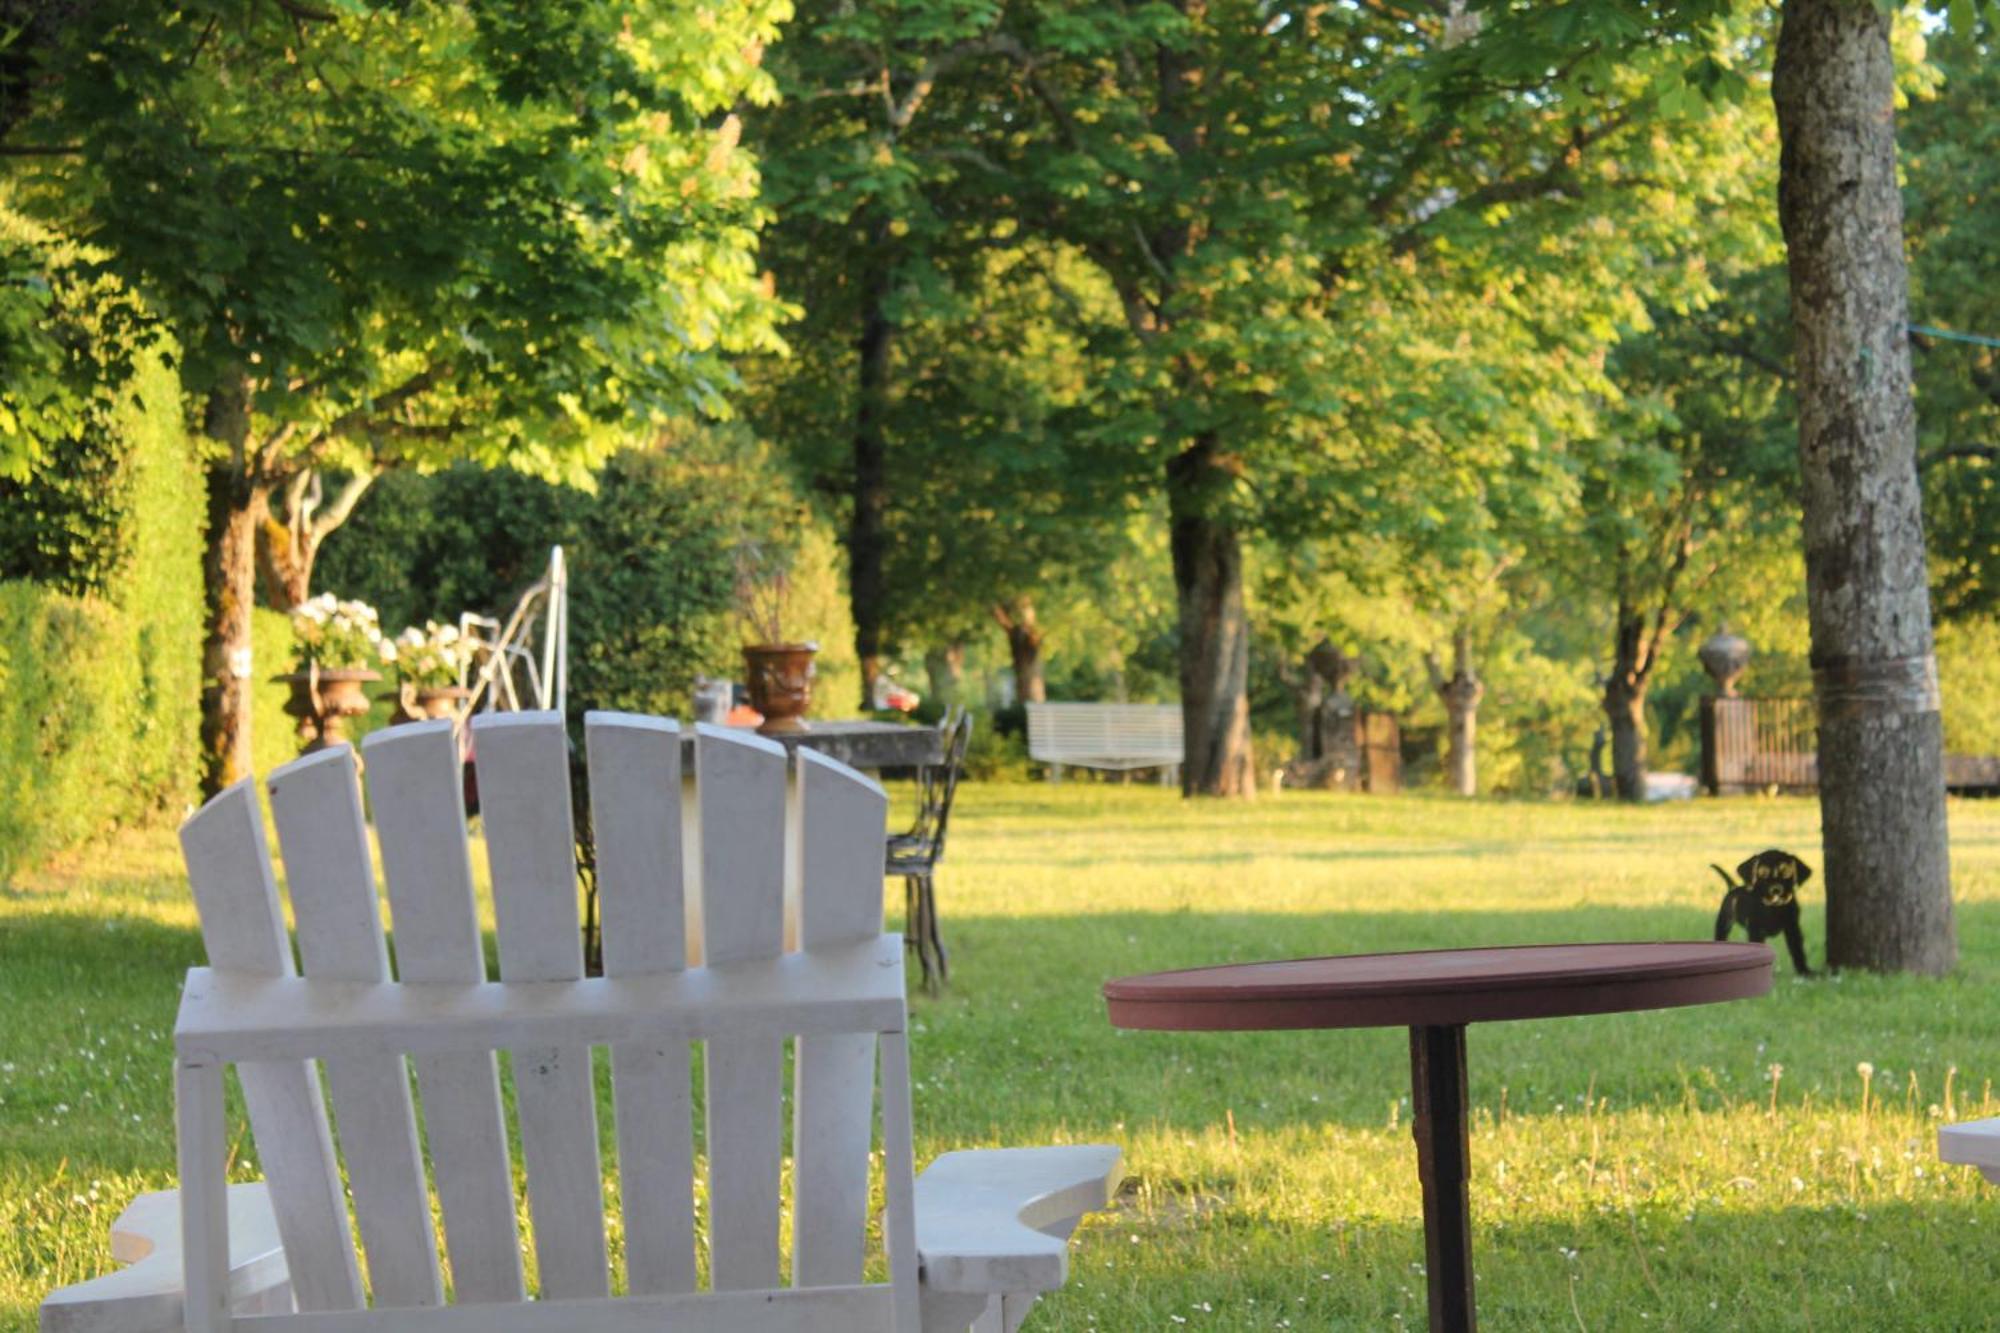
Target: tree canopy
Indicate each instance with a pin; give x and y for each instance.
(401, 234)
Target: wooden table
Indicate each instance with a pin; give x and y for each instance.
(1436, 995)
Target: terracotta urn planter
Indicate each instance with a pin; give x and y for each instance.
(780, 678)
(323, 700)
(441, 700)
(419, 704)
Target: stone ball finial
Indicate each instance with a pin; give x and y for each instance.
(1725, 656)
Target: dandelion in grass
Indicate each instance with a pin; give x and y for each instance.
(1867, 1072)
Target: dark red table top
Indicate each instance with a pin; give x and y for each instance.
(1442, 987)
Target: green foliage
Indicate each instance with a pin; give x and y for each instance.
(650, 554)
(273, 732)
(66, 342)
(1950, 145)
(96, 721)
(420, 231)
(100, 626)
(1969, 676)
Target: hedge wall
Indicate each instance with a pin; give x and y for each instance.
(100, 625)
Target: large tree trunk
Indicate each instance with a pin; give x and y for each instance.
(1461, 693)
(1888, 884)
(866, 538)
(1625, 704)
(236, 506)
(1214, 629)
(1024, 645)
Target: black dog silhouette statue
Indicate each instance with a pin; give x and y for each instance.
(1766, 903)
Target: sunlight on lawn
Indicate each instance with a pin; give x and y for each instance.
(1631, 1171)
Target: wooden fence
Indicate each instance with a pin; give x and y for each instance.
(1750, 745)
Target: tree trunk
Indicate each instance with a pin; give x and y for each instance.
(1625, 700)
(236, 506)
(1024, 646)
(1461, 694)
(1625, 710)
(1308, 693)
(866, 539)
(1888, 882)
(945, 667)
(1214, 629)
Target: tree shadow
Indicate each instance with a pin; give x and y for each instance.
(1633, 1265)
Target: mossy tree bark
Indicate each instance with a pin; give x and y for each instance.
(238, 501)
(1888, 884)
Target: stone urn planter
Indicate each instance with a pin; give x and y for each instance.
(1725, 656)
(780, 678)
(323, 700)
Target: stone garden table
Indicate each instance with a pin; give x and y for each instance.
(1436, 994)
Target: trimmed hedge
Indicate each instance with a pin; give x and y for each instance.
(100, 625)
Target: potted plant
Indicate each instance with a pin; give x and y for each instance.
(337, 645)
(779, 670)
(430, 668)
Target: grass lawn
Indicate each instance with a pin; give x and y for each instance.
(1633, 1171)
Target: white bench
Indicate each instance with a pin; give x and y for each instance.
(1118, 737)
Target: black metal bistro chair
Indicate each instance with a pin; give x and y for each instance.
(914, 855)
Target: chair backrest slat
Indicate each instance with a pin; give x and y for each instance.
(416, 793)
(740, 785)
(316, 805)
(524, 801)
(229, 866)
(840, 815)
(635, 814)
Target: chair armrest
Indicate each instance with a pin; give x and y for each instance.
(145, 1295)
(1974, 1143)
(997, 1220)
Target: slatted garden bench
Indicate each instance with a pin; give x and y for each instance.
(1117, 737)
(742, 912)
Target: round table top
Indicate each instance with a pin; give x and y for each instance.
(1441, 987)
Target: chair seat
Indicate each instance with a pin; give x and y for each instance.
(912, 861)
(1974, 1143)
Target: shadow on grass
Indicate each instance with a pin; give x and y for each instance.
(1896, 1265)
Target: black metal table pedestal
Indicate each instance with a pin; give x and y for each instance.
(1437, 1098)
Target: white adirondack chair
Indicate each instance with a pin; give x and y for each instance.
(740, 909)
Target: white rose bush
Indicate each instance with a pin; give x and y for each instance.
(430, 658)
(333, 635)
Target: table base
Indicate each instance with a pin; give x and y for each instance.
(1444, 1159)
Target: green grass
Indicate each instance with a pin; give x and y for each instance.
(1632, 1171)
